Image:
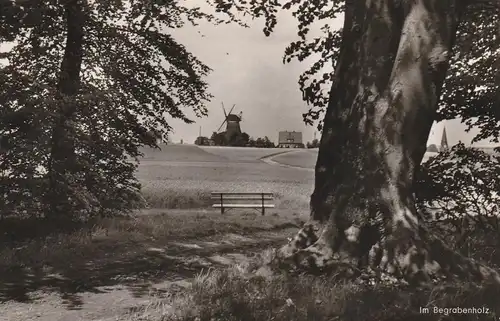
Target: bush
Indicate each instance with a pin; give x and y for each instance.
(98, 181)
(459, 189)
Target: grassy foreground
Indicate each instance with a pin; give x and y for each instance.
(239, 293)
(230, 295)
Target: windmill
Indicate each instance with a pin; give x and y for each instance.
(232, 122)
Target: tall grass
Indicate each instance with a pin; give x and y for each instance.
(233, 295)
(251, 292)
(197, 198)
(176, 198)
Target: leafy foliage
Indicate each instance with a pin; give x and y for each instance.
(313, 144)
(133, 77)
(240, 140)
(261, 142)
(461, 180)
(219, 139)
(472, 87)
(460, 186)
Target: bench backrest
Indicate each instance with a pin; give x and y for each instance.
(223, 196)
(242, 200)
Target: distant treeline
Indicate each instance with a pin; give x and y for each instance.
(237, 140)
(313, 144)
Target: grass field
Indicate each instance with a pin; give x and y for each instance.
(182, 176)
(307, 158)
(304, 158)
(242, 154)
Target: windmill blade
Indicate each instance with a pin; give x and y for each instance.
(224, 109)
(218, 130)
(231, 109)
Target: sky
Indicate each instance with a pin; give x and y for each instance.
(248, 71)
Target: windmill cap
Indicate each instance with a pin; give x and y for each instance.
(233, 117)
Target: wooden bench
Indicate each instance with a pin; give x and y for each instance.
(225, 201)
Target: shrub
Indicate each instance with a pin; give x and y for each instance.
(457, 191)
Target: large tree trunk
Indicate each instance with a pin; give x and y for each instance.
(62, 158)
(388, 79)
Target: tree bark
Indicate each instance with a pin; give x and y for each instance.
(388, 79)
(62, 157)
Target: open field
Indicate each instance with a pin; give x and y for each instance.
(302, 158)
(182, 176)
(306, 158)
(243, 154)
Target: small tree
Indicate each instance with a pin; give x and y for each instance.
(86, 84)
(457, 191)
(268, 143)
(313, 144)
(261, 142)
(238, 139)
(433, 148)
(219, 139)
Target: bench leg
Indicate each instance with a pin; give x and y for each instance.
(263, 207)
(222, 210)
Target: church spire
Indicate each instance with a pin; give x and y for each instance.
(444, 140)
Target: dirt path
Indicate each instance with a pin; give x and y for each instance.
(269, 159)
(166, 271)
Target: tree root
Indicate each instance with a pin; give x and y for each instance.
(402, 258)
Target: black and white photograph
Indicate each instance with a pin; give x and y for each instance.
(249, 160)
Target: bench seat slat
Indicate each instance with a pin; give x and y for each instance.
(243, 206)
(242, 194)
(236, 198)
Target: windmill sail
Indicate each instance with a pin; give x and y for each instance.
(232, 122)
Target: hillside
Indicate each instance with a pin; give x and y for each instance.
(179, 153)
